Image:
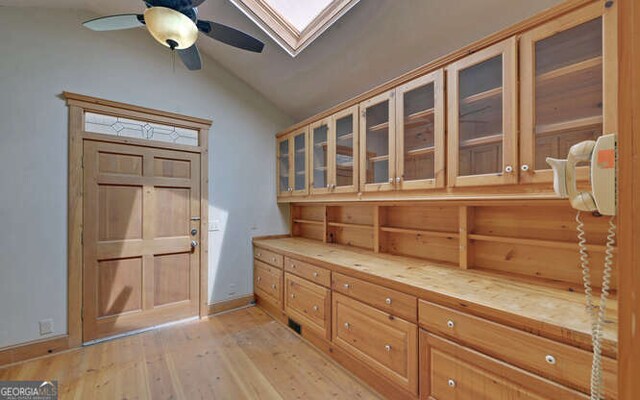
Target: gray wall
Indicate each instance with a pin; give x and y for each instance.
(44, 52)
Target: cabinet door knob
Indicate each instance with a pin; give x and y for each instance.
(450, 324)
(508, 169)
(273, 259)
(391, 181)
(398, 179)
(293, 295)
(316, 308)
(315, 274)
(451, 383)
(259, 278)
(347, 325)
(328, 186)
(293, 265)
(388, 301)
(333, 186)
(524, 167)
(273, 286)
(346, 286)
(550, 359)
(387, 347)
(259, 254)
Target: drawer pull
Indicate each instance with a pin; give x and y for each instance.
(450, 324)
(273, 286)
(316, 308)
(315, 274)
(293, 295)
(293, 266)
(346, 286)
(259, 254)
(259, 278)
(388, 301)
(347, 325)
(451, 383)
(387, 347)
(550, 359)
(273, 259)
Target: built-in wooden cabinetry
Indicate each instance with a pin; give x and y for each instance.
(568, 88)
(502, 111)
(482, 110)
(293, 164)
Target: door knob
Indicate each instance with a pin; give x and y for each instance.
(194, 232)
(194, 244)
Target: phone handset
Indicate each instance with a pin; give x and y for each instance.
(601, 155)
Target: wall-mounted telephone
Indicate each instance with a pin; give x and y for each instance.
(602, 156)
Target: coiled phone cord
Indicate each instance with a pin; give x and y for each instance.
(597, 319)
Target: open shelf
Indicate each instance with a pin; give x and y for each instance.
(380, 127)
(420, 152)
(422, 232)
(347, 225)
(489, 139)
(590, 65)
(487, 94)
(345, 165)
(551, 129)
(300, 172)
(556, 244)
(321, 168)
(308, 221)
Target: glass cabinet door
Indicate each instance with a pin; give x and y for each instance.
(377, 143)
(482, 116)
(420, 132)
(300, 163)
(563, 93)
(345, 155)
(284, 166)
(319, 157)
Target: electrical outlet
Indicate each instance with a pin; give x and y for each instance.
(46, 326)
(214, 225)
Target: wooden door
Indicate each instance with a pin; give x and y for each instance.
(140, 265)
(283, 166)
(377, 143)
(420, 146)
(568, 89)
(344, 174)
(321, 143)
(482, 116)
(298, 150)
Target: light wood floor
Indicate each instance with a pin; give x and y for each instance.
(240, 355)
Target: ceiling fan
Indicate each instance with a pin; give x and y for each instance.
(175, 24)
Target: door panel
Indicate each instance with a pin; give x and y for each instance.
(345, 150)
(377, 149)
(140, 269)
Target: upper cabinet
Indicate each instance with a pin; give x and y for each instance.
(377, 143)
(344, 128)
(482, 117)
(292, 163)
(319, 155)
(420, 140)
(568, 87)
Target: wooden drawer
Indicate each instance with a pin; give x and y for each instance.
(452, 372)
(394, 302)
(308, 304)
(565, 364)
(267, 281)
(268, 257)
(308, 271)
(385, 344)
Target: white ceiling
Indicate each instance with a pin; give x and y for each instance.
(374, 42)
(299, 13)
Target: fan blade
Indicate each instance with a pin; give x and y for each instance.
(230, 36)
(174, 4)
(191, 58)
(115, 22)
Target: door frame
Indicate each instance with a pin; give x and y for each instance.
(78, 105)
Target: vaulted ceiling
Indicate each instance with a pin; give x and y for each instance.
(374, 42)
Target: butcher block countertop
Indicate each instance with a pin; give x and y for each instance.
(555, 313)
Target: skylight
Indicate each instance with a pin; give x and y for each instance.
(299, 13)
(294, 24)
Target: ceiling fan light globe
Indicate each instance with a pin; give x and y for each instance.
(169, 27)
